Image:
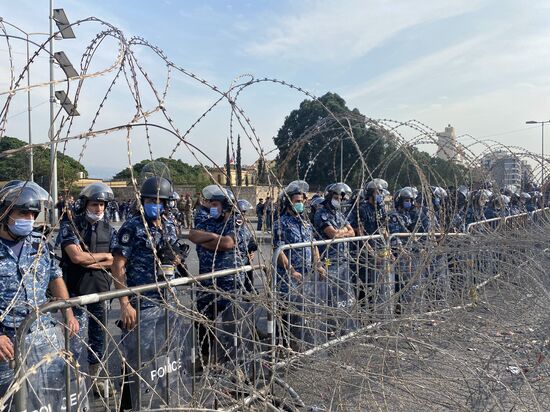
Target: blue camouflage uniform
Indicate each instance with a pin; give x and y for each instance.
(134, 245)
(400, 222)
(371, 218)
(246, 244)
(368, 216)
(214, 260)
(290, 229)
(491, 213)
(141, 268)
(340, 290)
(26, 269)
(210, 303)
(71, 233)
(201, 215)
(324, 217)
(474, 215)
(420, 219)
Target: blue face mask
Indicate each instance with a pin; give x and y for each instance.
(378, 199)
(153, 210)
(214, 212)
(298, 207)
(407, 205)
(21, 227)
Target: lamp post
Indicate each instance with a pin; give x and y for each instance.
(58, 16)
(542, 123)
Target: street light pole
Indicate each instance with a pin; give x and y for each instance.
(31, 160)
(53, 151)
(542, 123)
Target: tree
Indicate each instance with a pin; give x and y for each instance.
(17, 165)
(261, 172)
(239, 166)
(311, 138)
(228, 165)
(180, 173)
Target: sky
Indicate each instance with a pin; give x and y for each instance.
(482, 66)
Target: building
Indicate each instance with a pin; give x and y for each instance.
(248, 175)
(447, 147)
(505, 168)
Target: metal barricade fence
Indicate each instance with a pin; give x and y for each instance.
(159, 355)
(485, 226)
(515, 222)
(331, 299)
(361, 281)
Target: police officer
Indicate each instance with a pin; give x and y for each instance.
(423, 217)
(524, 201)
(203, 211)
(296, 267)
(87, 241)
(141, 242)
(400, 220)
(330, 223)
(476, 208)
(294, 227)
(496, 206)
(217, 249)
(27, 268)
(457, 211)
(246, 242)
(368, 217)
(134, 255)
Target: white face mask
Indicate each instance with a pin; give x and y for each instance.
(335, 203)
(93, 217)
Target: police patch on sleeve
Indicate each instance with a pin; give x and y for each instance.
(324, 216)
(125, 238)
(65, 232)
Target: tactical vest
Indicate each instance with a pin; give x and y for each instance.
(80, 280)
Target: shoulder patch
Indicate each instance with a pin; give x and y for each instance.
(65, 231)
(125, 238)
(324, 216)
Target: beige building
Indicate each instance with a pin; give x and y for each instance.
(248, 173)
(447, 147)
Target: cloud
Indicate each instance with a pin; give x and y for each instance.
(346, 30)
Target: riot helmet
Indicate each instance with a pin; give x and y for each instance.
(95, 192)
(244, 206)
(23, 195)
(157, 188)
(405, 196)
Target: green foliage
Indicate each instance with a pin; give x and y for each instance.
(262, 172)
(17, 166)
(310, 144)
(309, 141)
(181, 173)
(227, 166)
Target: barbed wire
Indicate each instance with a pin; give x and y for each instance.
(441, 319)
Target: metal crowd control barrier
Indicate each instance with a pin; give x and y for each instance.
(509, 222)
(485, 225)
(369, 280)
(149, 370)
(328, 302)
